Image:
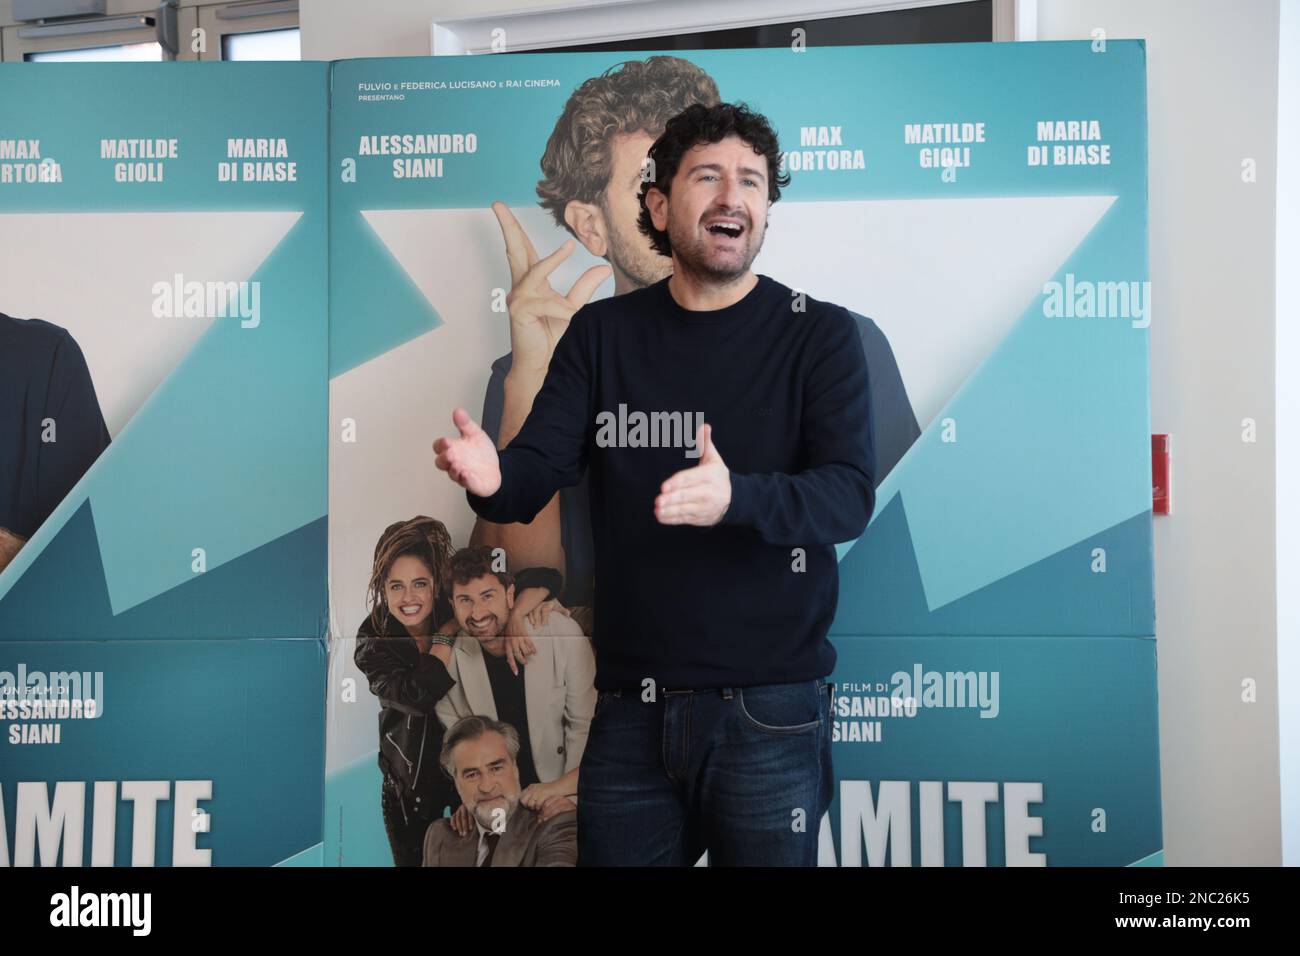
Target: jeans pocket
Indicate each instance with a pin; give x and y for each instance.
(782, 708)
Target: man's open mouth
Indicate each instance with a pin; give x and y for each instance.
(730, 230)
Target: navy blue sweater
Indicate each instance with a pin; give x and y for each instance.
(783, 383)
(43, 375)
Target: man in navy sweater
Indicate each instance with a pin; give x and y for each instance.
(51, 426)
(721, 417)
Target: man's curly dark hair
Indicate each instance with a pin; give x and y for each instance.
(706, 124)
(470, 564)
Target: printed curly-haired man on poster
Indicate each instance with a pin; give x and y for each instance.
(719, 416)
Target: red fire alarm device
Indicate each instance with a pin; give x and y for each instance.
(1161, 502)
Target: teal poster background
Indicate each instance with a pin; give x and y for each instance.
(996, 699)
(184, 574)
(1009, 555)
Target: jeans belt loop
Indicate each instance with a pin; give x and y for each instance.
(726, 693)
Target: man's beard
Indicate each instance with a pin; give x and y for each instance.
(691, 253)
(490, 823)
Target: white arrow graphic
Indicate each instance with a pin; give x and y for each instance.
(94, 275)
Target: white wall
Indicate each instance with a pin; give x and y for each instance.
(1213, 84)
(339, 29)
(1288, 426)
(1212, 101)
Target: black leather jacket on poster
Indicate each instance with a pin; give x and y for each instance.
(409, 685)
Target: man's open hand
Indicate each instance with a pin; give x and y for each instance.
(699, 495)
(539, 314)
(469, 459)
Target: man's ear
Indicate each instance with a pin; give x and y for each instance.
(510, 598)
(657, 204)
(587, 220)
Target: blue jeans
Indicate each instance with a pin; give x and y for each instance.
(742, 772)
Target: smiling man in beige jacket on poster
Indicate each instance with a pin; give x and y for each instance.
(550, 702)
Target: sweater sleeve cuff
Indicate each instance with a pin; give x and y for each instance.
(548, 578)
(484, 507)
(742, 511)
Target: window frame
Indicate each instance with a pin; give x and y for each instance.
(215, 20)
(20, 39)
(593, 21)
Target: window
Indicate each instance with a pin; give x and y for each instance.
(967, 22)
(262, 45)
(124, 38)
(640, 25)
(262, 30)
(205, 30)
(122, 53)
